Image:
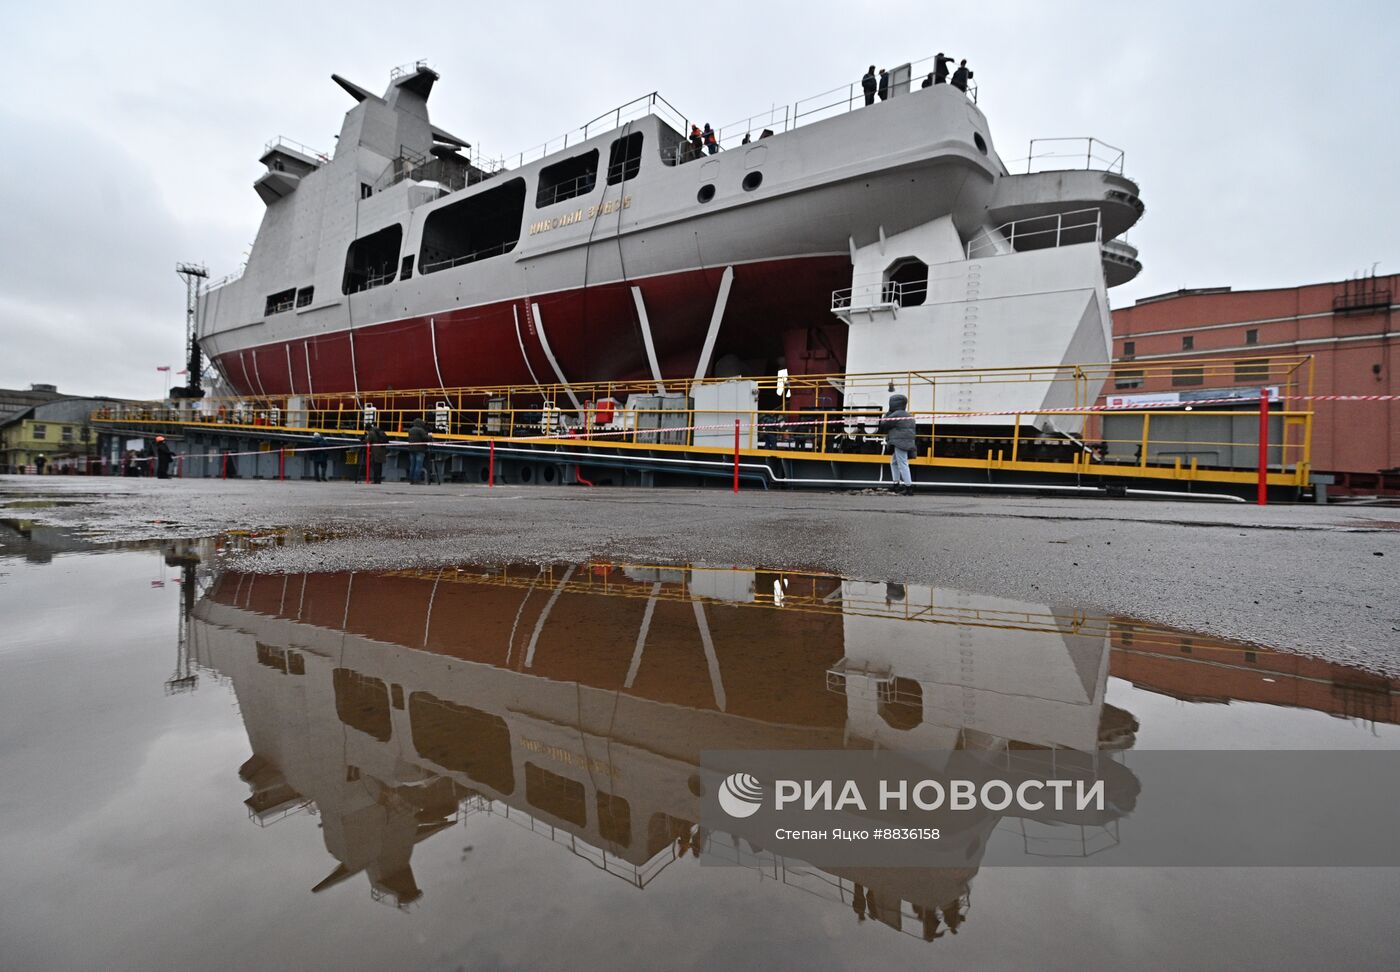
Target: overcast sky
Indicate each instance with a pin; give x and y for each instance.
(1263, 135)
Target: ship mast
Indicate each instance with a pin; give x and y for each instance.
(191, 274)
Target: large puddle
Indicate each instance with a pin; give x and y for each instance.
(496, 767)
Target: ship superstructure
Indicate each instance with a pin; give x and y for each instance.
(849, 237)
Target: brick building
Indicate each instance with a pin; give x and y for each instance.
(1346, 327)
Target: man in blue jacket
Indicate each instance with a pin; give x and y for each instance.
(898, 427)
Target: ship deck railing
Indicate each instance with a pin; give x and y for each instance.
(1039, 232)
(1070, 153)
(1207, 435)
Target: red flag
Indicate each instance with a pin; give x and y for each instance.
(162, 367)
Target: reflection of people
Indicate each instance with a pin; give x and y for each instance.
(858, 903)
(893, 592)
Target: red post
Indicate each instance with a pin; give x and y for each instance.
(736, 455)
(366, 463)
(491, 465)
(282, 463)
(224, 473)
(1263, 447)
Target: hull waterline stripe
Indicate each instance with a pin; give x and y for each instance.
(559, 372)
(721, 301)
(432, 330)
(544, 616)
(642, 636)
(646, 339)
(716, 684)
(515, 312)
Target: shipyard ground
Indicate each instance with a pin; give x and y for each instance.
(1320, 580)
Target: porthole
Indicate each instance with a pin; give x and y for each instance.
(978, 141)
(549, 474)
(752, 181)
(706, 193)
(525, 474)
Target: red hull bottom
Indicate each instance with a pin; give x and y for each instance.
(774, 310)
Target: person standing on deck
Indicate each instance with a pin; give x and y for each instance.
(961, 76)
(898, 428)
(868, 84)
(884, 87)
(940, 68)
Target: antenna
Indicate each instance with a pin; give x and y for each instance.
(191, 274)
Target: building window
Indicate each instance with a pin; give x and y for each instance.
(66, 435)
(1128, 379)
(1251, 336)
(1252, 369)
(1188, 376)
(1129, 348)
(481, 226)
(1188, 342)
(41, 432)
(565, 180)
(372, 260)
(279, 302)
(625, 159)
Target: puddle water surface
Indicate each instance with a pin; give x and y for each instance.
(496, 767)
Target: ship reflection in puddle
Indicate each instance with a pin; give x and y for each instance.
(575, 701)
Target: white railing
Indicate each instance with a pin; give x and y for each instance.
(875, 295)
(1076, 152)
(282, 141)
(406, 69)
(1038, 232)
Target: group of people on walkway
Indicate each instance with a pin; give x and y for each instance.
(877, 83)
(378, 442)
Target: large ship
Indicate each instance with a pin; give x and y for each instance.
(834, 237)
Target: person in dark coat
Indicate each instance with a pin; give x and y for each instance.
(928, 82)
(898, 428)
(884, 86)
(418, 439)
(711, 142)
(961, 76)
(868, 84)
(163, 458)
(378, 451)
(319, 457)
(940, 68)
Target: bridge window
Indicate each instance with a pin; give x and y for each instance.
(565, 180)
(481, 226)
(305, 296)
(556, 795)
(279, 302)
(372, 260)
(625, 159)
(362, 703)
(463, 740)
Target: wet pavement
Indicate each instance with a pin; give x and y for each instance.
(492, 764)
(1314, 579)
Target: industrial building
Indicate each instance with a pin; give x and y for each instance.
(1345, 326)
